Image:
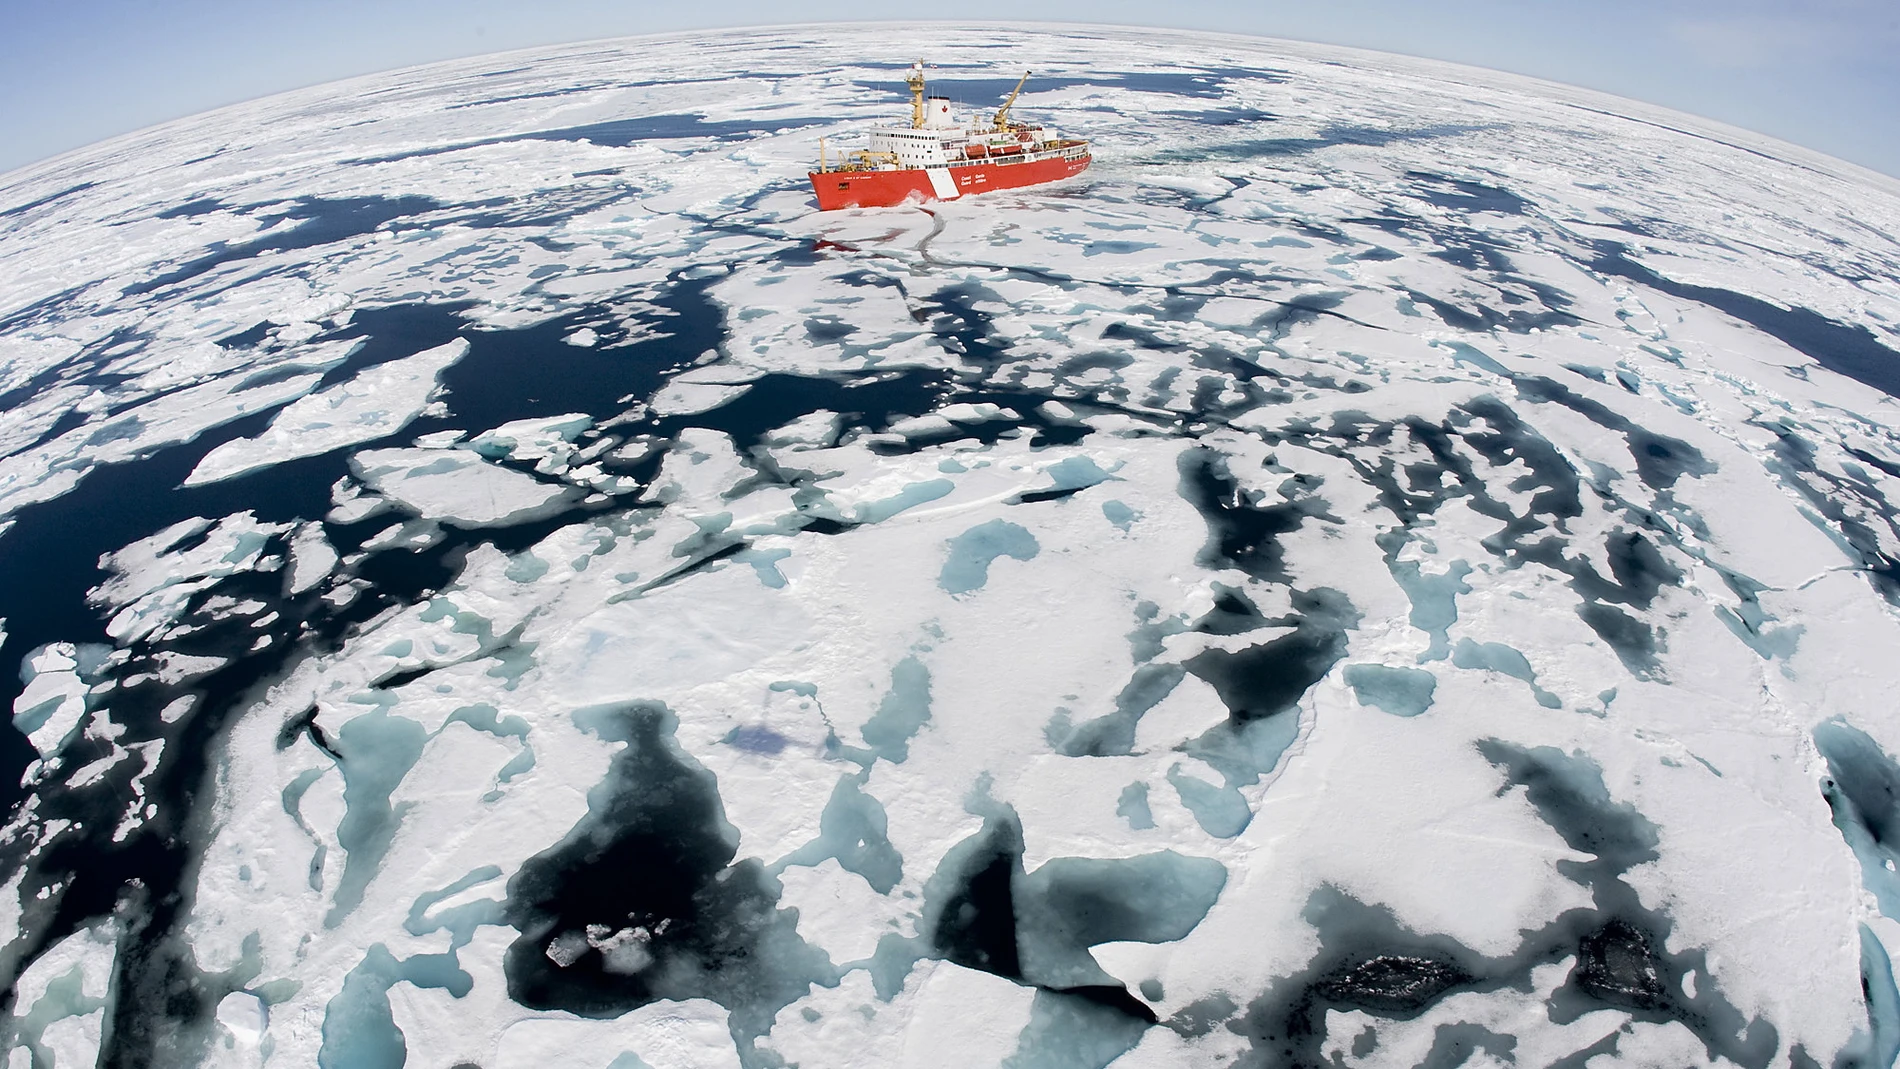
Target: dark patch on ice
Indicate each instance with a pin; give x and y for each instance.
(1114, 733)
(1454, 1044)
(1632, 640)
(1465, 195)
(1508, 660)
(1368, 961)
(1233, 614)
(823, 330)
(319, 221)
(966, 567)
(620, 133)
(1638, 568)
(989, 93)
(1242, 532)
(1330, 137)
(853, 830)
(191, 209)
(1260, 681)
(1397, 690)
(1070, 904)
(1853, 351)
(983, 912)
(1509, 440)
(756, 738)
(960, 326)
(41, 202)
(1847, 503)
(973, 920)
(1862, 789)
(644, 901)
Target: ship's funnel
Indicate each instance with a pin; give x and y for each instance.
(937, 113)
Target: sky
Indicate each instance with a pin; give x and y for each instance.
(1820, 73)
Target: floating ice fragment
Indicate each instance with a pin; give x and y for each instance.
(459, 488)
(244, 1016)
(311, 558)
(532, 439)
(378, 402)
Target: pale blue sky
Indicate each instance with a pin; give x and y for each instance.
(1821, 73)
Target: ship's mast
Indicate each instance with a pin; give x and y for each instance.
(916, 84)
(1002, 114)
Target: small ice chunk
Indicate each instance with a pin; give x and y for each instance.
(311, 558)
(813, 429)
(244, 1016)
(922, 426)
(566, 949)
(459, 488)
(982, 412)
(532, 439)
(54, 701)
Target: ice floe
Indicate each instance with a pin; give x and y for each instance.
(1389, 566)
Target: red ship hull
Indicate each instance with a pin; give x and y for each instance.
(885, 189)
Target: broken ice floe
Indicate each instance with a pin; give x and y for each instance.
(1127, 622)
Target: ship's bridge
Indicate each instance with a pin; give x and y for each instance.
(928, 147)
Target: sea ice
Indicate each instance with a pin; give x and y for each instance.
(459, 487)
(378, 402)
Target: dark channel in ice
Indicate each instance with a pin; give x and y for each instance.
(619, 133)
(319, 221)
(1853, 351)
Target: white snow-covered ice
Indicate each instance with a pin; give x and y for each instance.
(1392, 566)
